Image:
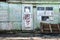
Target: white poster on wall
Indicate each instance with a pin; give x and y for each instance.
(27, 17)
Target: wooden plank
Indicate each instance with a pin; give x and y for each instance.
(50, 28)
(45, 28)
(41, 24)
(55, 28)
(59, 27)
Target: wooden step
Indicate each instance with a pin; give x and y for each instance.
(46, 31)
(46, 28)
(50, 28)
(55, 31)
(54, 25)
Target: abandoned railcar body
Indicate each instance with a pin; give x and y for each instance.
(30, 15)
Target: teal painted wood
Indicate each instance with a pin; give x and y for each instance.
(15, 12)
(55, 14)
(59, 15)
(4, 25)
(10, 12)
(16, 25)
(15, 16)
(3, 11)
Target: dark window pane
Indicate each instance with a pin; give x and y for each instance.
(49, 8)
(40, 8)
(44, 18)
(34, 6)
(26, 8)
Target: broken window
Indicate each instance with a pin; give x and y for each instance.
(45, 18)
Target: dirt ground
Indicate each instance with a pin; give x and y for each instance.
(27, 38)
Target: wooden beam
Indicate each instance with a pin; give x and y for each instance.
(50, 28)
